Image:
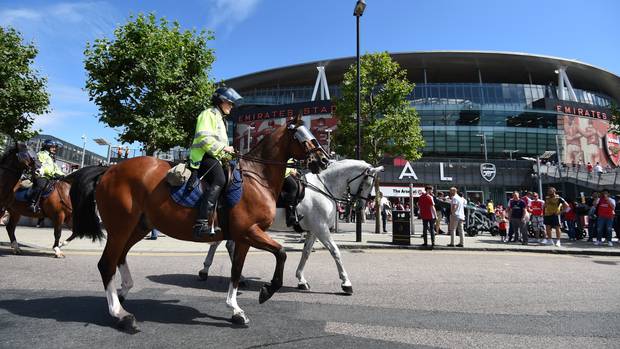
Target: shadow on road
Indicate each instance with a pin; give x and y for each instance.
(5, 252)
(218, 283)
(94, 310)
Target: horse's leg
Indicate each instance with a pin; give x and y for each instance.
(10, 229)
(203, 274)
(69, 239)
(240, 251)
(303, 283)
(258, 238)
(60, 217)
(126, 279)
(112, 253)
(325, 237)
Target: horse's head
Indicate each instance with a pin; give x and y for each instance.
(360, 185)
(306, 147)
(18, 158)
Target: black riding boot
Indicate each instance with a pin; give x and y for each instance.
(34, 201)
(206, 214)
(292, 218)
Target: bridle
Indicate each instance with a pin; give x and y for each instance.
(350, 196)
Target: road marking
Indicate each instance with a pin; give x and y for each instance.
(457, 339)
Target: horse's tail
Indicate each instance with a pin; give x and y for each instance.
(86, 221)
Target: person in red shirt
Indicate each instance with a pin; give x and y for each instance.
(426, 205)
(605, 210)
(536, 216)
(570, 216)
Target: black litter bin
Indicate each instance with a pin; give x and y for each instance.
(401, 232)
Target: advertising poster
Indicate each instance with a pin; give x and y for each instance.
(584, 139)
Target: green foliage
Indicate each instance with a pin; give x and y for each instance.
(23, 92)
(390, 126)
(152, 81)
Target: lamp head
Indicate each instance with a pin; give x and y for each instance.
(360, 6)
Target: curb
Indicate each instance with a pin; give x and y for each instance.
(373, 246)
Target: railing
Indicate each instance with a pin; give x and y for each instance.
(580, 175)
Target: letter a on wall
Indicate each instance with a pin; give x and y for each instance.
(408, 172)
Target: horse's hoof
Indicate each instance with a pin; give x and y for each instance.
(347, 289)
(240, 319)
(265, 294)
(17, 252)
(243, 284)
(128, 324)
(303, 287)
(203, 276)
(59, 255)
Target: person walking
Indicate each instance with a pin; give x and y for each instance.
(428, 214)
(490, 210)
(592, 216)
(385, 206)
(536, 217)
(554, 205)
(604, 208)
(457, 216)
(516, 212)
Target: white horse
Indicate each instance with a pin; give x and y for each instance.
(345, 179)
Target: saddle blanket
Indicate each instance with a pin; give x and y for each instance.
(231, 194)
(24, 194)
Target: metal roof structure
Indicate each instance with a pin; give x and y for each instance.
(450, 67)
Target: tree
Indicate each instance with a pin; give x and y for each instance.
(151, 81)
(390, 126)
(23, 92)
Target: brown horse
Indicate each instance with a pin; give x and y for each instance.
(56, 207)
(133, 197)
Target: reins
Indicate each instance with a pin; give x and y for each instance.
(350, 196)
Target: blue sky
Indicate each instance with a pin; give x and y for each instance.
(254, 35)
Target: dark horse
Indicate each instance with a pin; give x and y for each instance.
(56, 206)
(133, 197)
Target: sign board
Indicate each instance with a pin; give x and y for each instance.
(612, 147)
(398, 192)
(488, 171)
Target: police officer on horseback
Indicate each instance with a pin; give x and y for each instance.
(209, 148)
(46, 171)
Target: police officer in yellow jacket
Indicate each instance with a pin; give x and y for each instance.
(46, 171)
(209, 148)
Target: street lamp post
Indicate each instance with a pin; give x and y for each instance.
(360, 6)
(83, 149)
(329, 140)
(510, 152)
(102, 141)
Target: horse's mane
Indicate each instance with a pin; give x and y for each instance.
(4, 158)
(337, 167)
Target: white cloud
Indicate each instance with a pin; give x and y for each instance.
(229, 13)
(58, 119)
(63, 19)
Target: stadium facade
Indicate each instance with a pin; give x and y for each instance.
(481, 114)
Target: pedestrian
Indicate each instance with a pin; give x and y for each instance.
(536, 217)
(154, 234)
(604, 208)
(589, 168)
(457, 216)
(428, 214)
(617, 218)
(439, 210)
(598, 169)
(385, 206)
(503, 225)
(554, 205)
(490, 210)
(592, 216)
(516, 211)
(570, 216)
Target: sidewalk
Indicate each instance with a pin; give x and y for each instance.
(41, 240)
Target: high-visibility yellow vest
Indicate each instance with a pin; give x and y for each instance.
(48, 168)
(210, 137)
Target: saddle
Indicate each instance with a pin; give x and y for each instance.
(189, 193)
(301, 193)
(25, 191)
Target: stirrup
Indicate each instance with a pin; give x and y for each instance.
(202, 229)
